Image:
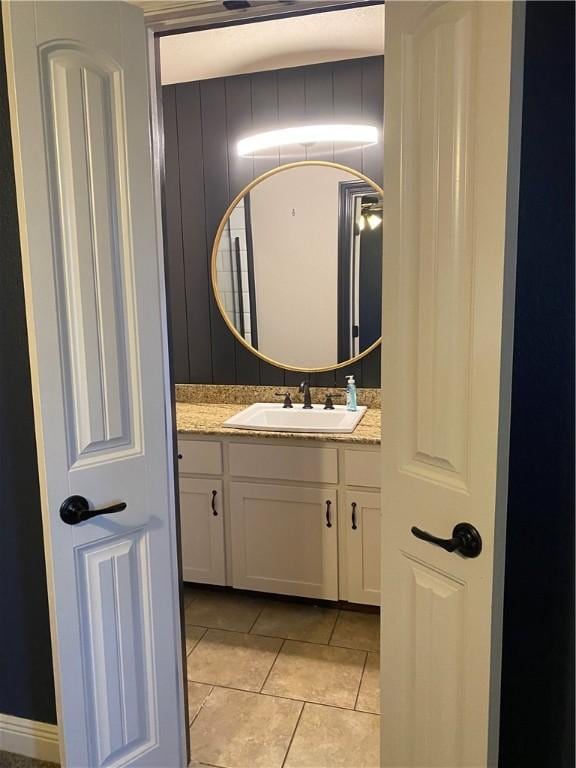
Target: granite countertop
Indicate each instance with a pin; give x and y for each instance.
(207, 419)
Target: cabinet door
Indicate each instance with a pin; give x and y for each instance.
(202, 529)
(284, 539)
(362, 566)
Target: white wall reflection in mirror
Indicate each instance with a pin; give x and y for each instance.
(297, 266)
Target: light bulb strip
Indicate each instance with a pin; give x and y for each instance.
(364, 135)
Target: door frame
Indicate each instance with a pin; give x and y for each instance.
(194, 18)
(185, 19)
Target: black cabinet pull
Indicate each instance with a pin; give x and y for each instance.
(179, 455)
(75, 509)
(328, 516)
(465, 540)
(354, 526)
(213, 503)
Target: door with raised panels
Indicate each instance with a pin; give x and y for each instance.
(80, 113)
(451, 149)
(202, 530)
(363, 561)
(284, 539)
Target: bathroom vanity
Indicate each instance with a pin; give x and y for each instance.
(280, 513)
(292, 512)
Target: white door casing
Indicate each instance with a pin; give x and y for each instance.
(451, 147)
(79, 104)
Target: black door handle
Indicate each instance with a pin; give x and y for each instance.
(354, 526)
(75, 509)
(328, 515)
(213, 503)
(465, 539)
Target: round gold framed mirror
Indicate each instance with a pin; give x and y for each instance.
(297, 266)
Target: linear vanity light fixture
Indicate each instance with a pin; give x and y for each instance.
(359, 135)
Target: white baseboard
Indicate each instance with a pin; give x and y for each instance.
(27, 737)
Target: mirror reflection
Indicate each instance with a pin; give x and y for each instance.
(297, 266)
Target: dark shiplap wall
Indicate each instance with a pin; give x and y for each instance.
(26, 683)
(537, 712)
(202, 123)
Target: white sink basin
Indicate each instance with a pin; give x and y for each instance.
(273, 417)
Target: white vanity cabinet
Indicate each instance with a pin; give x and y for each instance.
(202, 530)
(362, 561)
(360, 527)
(291, 517)
(284, 539)
(202, 512)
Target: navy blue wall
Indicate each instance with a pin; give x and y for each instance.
(202, 122)
(26, 684)
(537, 720)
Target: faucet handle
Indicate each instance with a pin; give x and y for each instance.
(329, 404)
(287, 399)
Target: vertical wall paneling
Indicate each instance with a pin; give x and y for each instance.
(265, 117)
(372, 110)
(193, 234)
(292, 108)
(319, 100)
(176, 275)
(373, 164)
(240, 173)
(206, 121)
(348, 105)
(217, 198)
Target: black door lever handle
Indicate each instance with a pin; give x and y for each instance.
(75, 509)
(465, 540)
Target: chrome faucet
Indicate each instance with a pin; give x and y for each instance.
(305, 388)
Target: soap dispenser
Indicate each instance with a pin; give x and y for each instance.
(351, 402)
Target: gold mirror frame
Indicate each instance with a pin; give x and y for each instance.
(215, 247)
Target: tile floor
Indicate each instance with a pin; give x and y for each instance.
(275, 684)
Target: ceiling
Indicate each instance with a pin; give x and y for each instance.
(275, 44)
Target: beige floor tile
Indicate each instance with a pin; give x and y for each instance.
(369, 696)
(335, 738)
(197, 693)
(296, 622)
(189, 595)
(232, 659)
(357, 630)
(193, 636)
(236, 729)
(223, 610)
(317, 673)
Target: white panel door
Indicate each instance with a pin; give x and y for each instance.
(284, 539)
(360, 519)
(95, 306)
(447, 303)
(202, 530)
